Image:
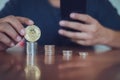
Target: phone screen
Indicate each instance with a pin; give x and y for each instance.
(69, 6)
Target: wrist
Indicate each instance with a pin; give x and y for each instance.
(109, 37)
(113, 39)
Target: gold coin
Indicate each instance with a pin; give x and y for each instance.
(33, 33)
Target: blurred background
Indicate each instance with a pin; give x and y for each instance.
(115, 3)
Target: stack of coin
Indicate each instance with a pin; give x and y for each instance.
(67, 55)
(49, 60)
(49, 50)
(33, 33)
(83, 54)
(31, 48)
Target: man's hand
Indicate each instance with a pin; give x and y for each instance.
(12, 30)
(91, 32)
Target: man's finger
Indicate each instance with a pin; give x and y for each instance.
(76, 26)
(4, 39)
(26, 21)
(82, 17)
(10, 31)
(15, 23)
(84, 42)
(75, 35)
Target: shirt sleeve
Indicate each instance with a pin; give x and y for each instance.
(108, 15)
(11, 8)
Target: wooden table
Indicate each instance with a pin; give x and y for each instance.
(104, 66)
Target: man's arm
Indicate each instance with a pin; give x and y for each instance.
(109, 17)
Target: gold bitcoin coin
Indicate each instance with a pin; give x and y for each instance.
(33, 33)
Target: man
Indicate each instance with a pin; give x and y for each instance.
(101, 23)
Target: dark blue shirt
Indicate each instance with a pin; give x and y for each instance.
(47, 17)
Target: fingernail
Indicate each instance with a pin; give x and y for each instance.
(62, 23)
(31, 22)
(22, 43)
(18, 38)
(60, 32)
(22, 32)
(12, 44)
(72, 15)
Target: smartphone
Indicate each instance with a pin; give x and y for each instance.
(70, 6)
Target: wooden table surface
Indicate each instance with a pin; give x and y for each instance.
(104, 66)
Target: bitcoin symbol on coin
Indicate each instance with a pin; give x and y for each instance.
(33, 33)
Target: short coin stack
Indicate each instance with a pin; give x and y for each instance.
(67, 55)
(83, 54)
(49, 57)
(49, 50)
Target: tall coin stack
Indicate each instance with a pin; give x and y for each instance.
(33, 33)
